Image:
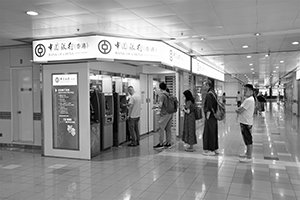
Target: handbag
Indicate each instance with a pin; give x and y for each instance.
(198, 113)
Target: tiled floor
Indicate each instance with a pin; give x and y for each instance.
(127, 173)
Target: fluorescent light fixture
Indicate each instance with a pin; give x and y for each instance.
(295, 43)
(245, 47)
(32, 13)
(281, 61)
(248, 56)
(251, 64)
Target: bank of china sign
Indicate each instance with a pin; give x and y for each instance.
(102, 47)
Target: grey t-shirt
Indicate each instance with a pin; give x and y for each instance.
(163, 98)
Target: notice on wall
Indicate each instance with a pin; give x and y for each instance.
(65, 111)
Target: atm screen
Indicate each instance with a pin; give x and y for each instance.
(107, 108)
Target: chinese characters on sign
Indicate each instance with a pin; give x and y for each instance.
(65, 111)
(136, 49)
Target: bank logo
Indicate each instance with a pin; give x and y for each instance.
(104, 47)
(171, 55)
(40, 50)
(56, 79)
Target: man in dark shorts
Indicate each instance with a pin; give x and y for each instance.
(245, 118)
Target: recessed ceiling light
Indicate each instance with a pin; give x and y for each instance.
(250, 64)
(267, 55)
(32, 13)
(257, 34)
(245, 46)
(248, 56)
(202, 39)
(252, 68)
(277, 67)
(281, 61)
(274, 71)
(253, 72)
(295, 43)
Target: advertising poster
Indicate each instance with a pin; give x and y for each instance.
(65, 111)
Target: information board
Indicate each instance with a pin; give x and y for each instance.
(65, 111)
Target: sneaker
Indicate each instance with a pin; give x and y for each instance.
(243, 155)
(158, 146)
(209, 153)
(131, 145)
(167, 145)
(246, 160)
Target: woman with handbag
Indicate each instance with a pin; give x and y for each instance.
(189, 126)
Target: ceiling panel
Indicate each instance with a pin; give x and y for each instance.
(176, 27)
(58, 22)
(203, 16)
(192, 6)
(165, 20)
(134, 24)
(90, 18)
(120, 15)
(63, 8)
(153, 11)
(136, 4)
(98, 6)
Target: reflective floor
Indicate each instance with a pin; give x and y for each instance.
(126, 173)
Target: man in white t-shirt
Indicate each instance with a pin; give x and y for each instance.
(245, 118)
(134, 111)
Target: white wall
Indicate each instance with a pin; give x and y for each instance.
(231, 89)
(17, 57)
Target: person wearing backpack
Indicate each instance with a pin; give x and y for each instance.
(189, 125)
(210, 133)
(165, 121)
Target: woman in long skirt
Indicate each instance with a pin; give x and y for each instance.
(189, 126)
(210, 133)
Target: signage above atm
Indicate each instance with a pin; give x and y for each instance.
(199, 67)
(298, 74)
(103, 47)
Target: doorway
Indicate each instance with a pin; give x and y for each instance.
(22, 105)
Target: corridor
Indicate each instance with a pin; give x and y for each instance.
(126, 173)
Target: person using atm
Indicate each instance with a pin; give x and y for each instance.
(134, 111)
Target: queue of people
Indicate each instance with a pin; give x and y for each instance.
(246, 107)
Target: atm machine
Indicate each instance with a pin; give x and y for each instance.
(95, 121)
(107, 119)
(120, 113)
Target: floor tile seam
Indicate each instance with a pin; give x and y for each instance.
(233, 159)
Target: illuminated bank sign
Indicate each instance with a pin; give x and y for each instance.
(201, 68)
(63, 49)
(176, 58)
(128, 49)
(298, 74)
(98, 47)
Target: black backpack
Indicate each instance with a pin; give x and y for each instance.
(171, 104)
